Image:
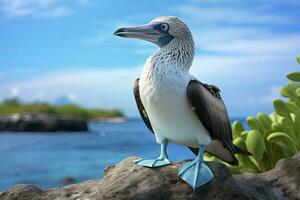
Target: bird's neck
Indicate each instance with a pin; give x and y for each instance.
(178, 53)
(169, 62)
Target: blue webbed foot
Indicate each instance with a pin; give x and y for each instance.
(158, 162)
(161, 161)
(196, 173)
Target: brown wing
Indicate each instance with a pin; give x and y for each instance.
(140, 105)
(208, 106)
(143, 112)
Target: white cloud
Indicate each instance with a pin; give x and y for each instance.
(215, 14)
(2, 74)
(272, 2)
(82, 2)
(273, 94)
(145, 51)
(226, 30)
(39, 96)
(267, 98)
(72, 96)
(14, 91)
(268, 46)
(36, 8)
(247, 70)
(255, 68)
(99, 38)
(57, 11)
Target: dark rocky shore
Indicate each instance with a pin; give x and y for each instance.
(128, 181)
(41, 123)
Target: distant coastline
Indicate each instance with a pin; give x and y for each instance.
(15, 106)
(17, 116)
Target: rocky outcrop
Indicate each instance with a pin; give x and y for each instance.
(41, 123)
(128, 181)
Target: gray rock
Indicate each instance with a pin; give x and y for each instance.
(41, 123)
(128, 181)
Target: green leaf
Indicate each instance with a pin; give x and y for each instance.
(294, 76)
(267, 132)
(292, 108)
(287, 150)
(287, 125)
(296, 123)
(239, 142)
(283, 140)
(264, 120)
(256, 163)
(298, 59)
(298, 92)
(280, 107)
(277, 127)
(237, 128)
(285, 92)
(255, 144)
(252, 122)
(247, 163)
(275, 117)
(289, 90)
(244, 133)
(289, 128)
(208, 157)
(280, 137)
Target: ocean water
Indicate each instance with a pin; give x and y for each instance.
(44, 159)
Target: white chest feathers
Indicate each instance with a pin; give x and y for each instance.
(163, 94)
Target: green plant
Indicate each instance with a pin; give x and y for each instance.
(271, 137)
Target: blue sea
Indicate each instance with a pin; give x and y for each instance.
(45, 159)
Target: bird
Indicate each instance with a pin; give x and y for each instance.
(177, 107)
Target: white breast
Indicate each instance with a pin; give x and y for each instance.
(163, 94)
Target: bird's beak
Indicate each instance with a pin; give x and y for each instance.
(145, 32)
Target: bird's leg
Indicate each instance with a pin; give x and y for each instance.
(160, 161)
(196, 173)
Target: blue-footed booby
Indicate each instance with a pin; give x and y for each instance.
(175, 106)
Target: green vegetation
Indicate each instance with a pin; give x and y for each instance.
(271, 137)
(10, 106)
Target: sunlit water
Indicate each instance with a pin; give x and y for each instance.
(44, 159)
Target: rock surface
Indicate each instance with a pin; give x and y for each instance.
(41, 123)
(128, 181)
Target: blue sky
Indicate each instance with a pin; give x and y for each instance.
(53, 48)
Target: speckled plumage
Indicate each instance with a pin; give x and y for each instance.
(163, 84)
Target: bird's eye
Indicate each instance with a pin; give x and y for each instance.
(164, 27)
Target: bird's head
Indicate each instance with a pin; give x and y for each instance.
(161, 31)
